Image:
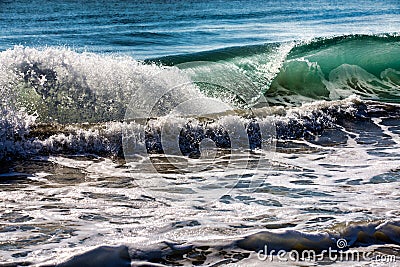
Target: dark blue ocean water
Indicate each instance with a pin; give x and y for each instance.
(146, 29)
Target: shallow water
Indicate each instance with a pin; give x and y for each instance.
(56, 206)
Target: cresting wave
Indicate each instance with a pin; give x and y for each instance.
(319, 69)
(59, 101)
(59, 86)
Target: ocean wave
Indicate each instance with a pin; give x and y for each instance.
(355, 235)
(60, 85)
(240, 250)
(58, 101)
(334, 68)
(328, 68)
(107, 139)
